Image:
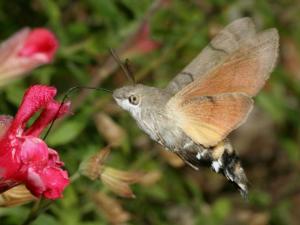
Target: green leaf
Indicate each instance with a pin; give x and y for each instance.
(66, 133)
(15, 92)
(221, 209)
(45, 220)
(292, 149)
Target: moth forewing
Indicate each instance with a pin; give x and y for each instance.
(223, 44)
(268, 46)
(246, 70)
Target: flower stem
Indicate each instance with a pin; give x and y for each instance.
(39, 207)
(75, 176)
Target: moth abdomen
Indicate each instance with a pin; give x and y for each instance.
(229, 164)
(221, 158)
(235, 172)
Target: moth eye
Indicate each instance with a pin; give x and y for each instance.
(133, 99)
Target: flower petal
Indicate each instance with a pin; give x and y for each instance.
(55, 180)
(142, 42)
(54, 158)
(12, 45)
(34, 183)
(24, 51)
(34, 152)
(40, 44)
(48, 114)
(35, 98)
(10, 166)
(6, 185)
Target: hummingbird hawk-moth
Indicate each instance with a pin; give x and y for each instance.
(208, 99)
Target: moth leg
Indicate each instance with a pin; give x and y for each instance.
(196, 158)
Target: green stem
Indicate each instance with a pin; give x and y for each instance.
(75, 176)
(40, 206)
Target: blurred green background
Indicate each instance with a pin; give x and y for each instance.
(169, 193)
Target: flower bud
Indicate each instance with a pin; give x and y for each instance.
(16, 196)
(24, 51)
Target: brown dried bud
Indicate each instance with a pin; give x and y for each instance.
(93, 166)
(111, 209)
(151, 178)
(118, 181)
(16, 196)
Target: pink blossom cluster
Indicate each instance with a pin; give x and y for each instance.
(24, 157)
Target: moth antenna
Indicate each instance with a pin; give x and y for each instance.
(129, 69)
(66, 96)
(121, 64)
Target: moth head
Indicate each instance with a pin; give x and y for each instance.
(130, 97)
(137, 98)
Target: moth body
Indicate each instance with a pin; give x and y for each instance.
(147, 105)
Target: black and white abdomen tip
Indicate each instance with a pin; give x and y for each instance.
(230, 165)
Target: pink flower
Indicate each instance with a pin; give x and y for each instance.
(40, 44)
(24, 51)
(24, 157)
(142, 43)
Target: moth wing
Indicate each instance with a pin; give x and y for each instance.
(207, 120)
(221, 46)
(246, 70)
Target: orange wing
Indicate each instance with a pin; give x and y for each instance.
(226, 42)
(212, 104)
(246, 70)
(208, 120)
